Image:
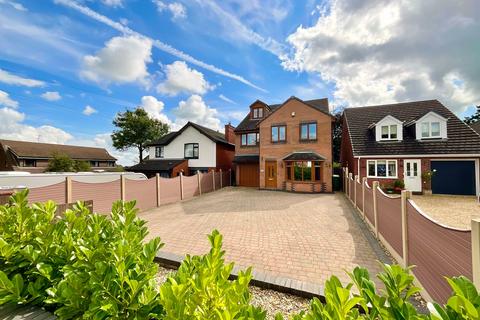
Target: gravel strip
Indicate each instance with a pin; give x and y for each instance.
(272, 301)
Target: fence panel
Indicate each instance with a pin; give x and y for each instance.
(55, 192)
(437, 251)
(218, 178)
(170, 190)
(143, 191)
(206, 181)
(358, 189)
(190, 187)
(368, 206)
(389, 211)
(351, 186)
(102, 194)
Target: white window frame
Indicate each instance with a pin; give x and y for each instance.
(427, 120)
(387, 161)
(161, 154)
(429, 124)
(389, 126)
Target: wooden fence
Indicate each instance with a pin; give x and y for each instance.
(149, 193)
(413, 238)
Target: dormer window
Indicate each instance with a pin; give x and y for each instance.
(390, 132)
(257, 113)
(388, 129)
(431, 126)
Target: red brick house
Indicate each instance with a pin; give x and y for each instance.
(411, 141)
(33, 157)
(285, 146)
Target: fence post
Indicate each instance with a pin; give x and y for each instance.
(355, 190)
(181, 185)
(213, 178)
(68, 189)
(405, 196)
(122, 187)
(364, 181)
(350, 178)
(221, 179)
(347, 189)
(476, 251)
(375, 211)
(199, 183)
(157, 177)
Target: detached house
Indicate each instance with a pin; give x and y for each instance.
(192, 148)
(285, 146)
(412, 141)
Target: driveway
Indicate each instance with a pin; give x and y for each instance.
(305, 237)
(454, 211)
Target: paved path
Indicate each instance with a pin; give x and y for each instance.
(305, 237)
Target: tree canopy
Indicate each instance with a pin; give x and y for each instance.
(61, 162)
(135, 129)
(474, 118)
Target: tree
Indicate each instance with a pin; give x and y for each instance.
(474, 118)
(82, 166)
(61, 162)
(337, 133)
(135, 130)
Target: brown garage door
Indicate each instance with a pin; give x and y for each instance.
(249, 175)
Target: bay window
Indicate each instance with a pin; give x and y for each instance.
(382, 168)
(304, 171)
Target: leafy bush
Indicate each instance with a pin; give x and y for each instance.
(399, 184)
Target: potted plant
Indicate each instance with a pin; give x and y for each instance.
(427, 179)
(398, 186)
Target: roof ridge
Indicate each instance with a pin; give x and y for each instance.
(391, 104)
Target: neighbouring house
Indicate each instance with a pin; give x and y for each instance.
(192, 148)
(34, 156)
(412, 141)
(285, 146)
(475, 126)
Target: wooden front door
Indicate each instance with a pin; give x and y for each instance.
(271, 174)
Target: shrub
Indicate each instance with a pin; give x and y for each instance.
(399, 184)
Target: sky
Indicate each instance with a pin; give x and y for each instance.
(68, 67)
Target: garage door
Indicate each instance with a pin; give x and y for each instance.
(453, 177)
(249, 175)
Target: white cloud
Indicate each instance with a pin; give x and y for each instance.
(125, 157)
(8, 78)
(154, 108)
(6, 101)
(123, 59)
(177, 9)
(181, 78)
(15, 5)
(89, 110)
(51, 96)
(13, 128)
(386, 51)
(157, 43)
(113, 3)
(196, 110)
(224, 98)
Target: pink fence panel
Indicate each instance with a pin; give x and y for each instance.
(55, 192)
(389, 215)
(437, 251)
(226, 178)
(368, 206)
(143, 191)
(102, 194)
(169, 190)
(358, 188)
(218, 179)
(206, 181)
(190, 187)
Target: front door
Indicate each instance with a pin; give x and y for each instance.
(271, 174)
(412, 174)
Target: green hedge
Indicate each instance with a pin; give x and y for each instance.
(90, 266)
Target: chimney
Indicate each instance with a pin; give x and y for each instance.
(229, 134)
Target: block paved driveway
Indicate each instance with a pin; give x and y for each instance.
(304, 237)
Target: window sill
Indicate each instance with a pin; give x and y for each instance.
(278, 142)
(247, 147)
(190, 158)
(308, 141)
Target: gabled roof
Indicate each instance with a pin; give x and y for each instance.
(304, 156)
(461, 139)
(213, 135)
(156, 165)
(36, 150)
(475, 126)
(248, 124)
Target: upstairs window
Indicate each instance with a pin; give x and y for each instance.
(191, 151)
(159, 152)
(389, 132)
(257, 113)
(279, 133)
(250, 139)
(308, 131)
(430, 129)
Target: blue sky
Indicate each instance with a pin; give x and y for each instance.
(67, 67)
